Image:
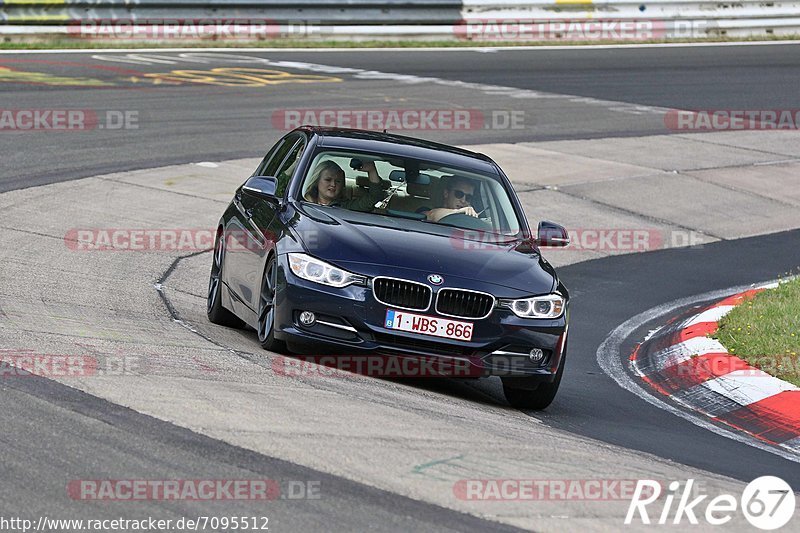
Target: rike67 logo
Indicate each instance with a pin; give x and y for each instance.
(767, 503)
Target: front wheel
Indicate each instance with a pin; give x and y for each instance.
(540, 397)
(216, 313)
(266, 308)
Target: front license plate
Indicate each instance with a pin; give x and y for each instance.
(428, 325)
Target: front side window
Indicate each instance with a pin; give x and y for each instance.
(260, 171)
(273, 161)
(286, 169)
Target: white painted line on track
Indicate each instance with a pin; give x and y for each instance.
(610, 360)
(372, 75)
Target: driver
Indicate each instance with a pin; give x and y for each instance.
(456, 198)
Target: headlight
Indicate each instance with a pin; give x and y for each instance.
(307, 267)
(550, 306)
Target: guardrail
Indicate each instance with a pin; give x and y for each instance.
(323, 12)
(496, 20)
(668, 18)
(631, 9)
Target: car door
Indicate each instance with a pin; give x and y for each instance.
(257, 233)
(237, 239)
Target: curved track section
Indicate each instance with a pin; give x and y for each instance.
(611, 359)
(419, 440)
(189, 400)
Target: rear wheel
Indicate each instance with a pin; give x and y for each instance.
(216, 313)
(538, 398)
(266, 308)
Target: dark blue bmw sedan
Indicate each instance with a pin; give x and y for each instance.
(366, 244)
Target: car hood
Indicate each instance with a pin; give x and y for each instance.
(389, 251)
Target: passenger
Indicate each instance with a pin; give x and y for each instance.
(456, 198)
(327, 187)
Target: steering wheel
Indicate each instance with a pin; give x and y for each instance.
(461, 220)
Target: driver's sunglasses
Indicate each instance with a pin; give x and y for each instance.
(461, 194)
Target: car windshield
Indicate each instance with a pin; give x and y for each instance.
(422, 193)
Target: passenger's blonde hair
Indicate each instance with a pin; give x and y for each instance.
(312, 191)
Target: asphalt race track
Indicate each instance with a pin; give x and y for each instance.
(210, 424)
(175, 121)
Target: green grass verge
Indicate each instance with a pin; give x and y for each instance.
(49, 42)
(765, 331)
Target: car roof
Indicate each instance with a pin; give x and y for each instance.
(401, 146)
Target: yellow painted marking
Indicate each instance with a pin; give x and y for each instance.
(19, 76)
(237, 77)
(38, 18)
(156, 81)
(35, 2)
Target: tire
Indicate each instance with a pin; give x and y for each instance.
(216, 313)
(539, 398)
(266, 308)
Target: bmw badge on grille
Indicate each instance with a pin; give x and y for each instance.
(436, 279)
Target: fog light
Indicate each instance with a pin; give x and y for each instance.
(536, 355)
(307, 318)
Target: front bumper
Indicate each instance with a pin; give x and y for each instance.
(350, 323)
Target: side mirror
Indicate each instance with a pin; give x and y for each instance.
(551, 234)
(261, 186)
